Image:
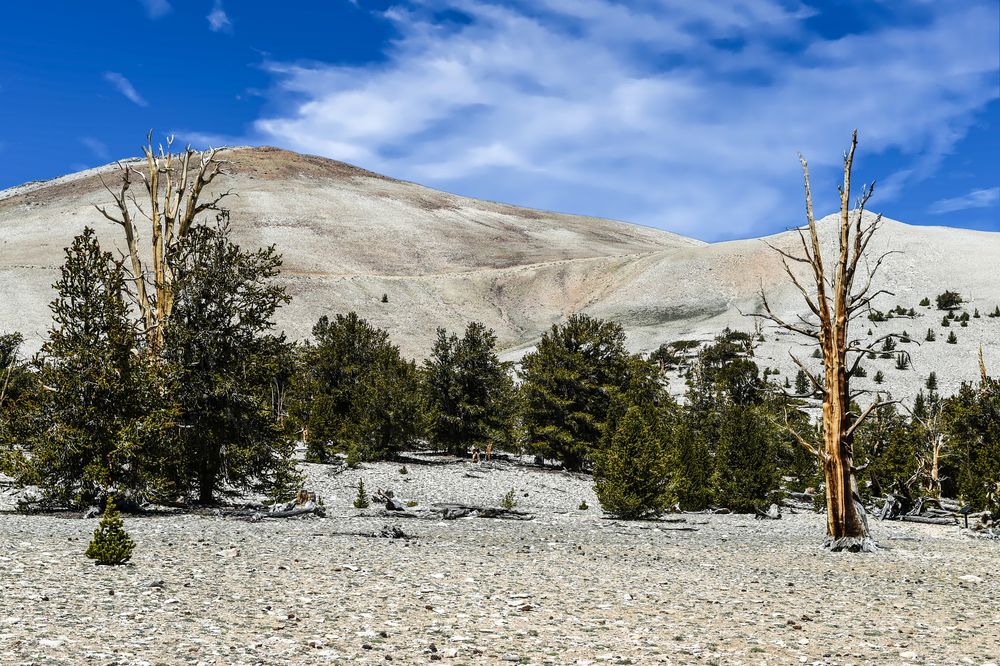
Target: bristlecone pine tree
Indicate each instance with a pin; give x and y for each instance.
(361, 500)
(631, 471)
(172, 185)
(568, 384)
(834, 302)
(111, 543)
(469, 391)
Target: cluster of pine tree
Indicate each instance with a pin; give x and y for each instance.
(99, 412)
(216, 406)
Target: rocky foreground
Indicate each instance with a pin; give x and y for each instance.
(569, 586)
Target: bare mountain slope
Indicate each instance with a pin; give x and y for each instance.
(348, 236)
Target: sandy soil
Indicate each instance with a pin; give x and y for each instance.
(568, 587)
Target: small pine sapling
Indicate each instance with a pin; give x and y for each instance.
(361, 501)
(879, 377)
(952, 338)
(507, 501)
(111, 544)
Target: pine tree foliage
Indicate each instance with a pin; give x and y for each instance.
(568, 383)
(111, 544)
(354, 393)
(361, 499)
(469, 391)
(973, 429)
(18, 389)
(631, 470)
(95, 427)
(949, 300)
(746, 470)
(223, 368)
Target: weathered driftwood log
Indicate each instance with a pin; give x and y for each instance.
(450, 511)
(772, 513)
(928, 521)
(292, 510)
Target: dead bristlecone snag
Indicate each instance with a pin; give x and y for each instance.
(111, 543)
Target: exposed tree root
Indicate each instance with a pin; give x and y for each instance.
(851, 545)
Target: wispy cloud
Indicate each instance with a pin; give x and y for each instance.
(125, 87)
(218, 20)
(681, 115)
(156, 8)
(96, 146)
(983, 198)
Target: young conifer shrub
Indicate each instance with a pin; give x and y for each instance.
(932, 383)
(111, 543)
(507, 501)
(287, 482)
(632, 471)
(746, 470)
(952, 338)
(931, 337)
(361, 501)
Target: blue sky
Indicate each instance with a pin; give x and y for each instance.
(677, 114)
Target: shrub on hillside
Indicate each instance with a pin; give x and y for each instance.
(949, 300)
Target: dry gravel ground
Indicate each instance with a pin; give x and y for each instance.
(568, 587)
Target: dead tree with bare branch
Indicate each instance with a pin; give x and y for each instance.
(836, 294)
(170, 200)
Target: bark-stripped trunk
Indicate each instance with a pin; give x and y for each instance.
(173, 187)
(834, 304)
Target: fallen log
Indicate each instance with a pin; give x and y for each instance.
(292, 510)
(454, 511)
(773, 513)
(928, 521)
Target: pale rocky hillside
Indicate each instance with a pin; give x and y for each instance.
(349, 236)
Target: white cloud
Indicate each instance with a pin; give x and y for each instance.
(984, 198)
(156, 8)
(218, 21)
(97, 147)
(125, 87)
(671, 113)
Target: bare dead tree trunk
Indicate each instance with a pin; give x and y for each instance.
(173, 184)
(834, 303)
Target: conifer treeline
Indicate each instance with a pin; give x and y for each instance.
(218, 409)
